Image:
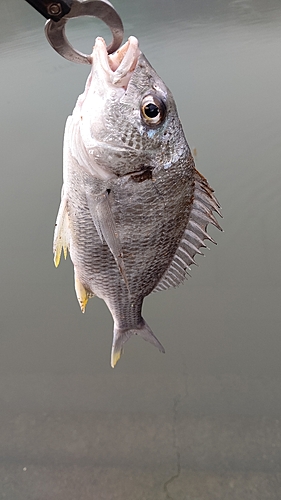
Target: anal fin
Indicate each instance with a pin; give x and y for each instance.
(81, 293)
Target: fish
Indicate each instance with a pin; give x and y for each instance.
(134, 210)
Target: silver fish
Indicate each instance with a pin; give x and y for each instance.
(134, 210)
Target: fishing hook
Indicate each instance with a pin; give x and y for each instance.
(101, 9)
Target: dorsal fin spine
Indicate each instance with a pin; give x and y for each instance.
(201, 214)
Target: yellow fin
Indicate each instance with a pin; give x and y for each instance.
(120, 336)
(57, 256)
(81, 293)
(62, 233)
(65, 251)
(116, 354)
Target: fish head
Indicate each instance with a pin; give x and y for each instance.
(127, 117)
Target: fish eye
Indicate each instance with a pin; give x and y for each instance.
(153, 110)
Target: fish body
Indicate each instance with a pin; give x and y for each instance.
(134, 210)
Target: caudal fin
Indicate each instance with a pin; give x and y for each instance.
(120, 336)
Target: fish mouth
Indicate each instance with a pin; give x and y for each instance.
(119, 66)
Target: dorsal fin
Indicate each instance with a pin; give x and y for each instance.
(201, 214)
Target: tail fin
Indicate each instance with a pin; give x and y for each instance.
(120, 336)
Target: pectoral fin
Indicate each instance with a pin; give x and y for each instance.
(103, 219)
(62, 234)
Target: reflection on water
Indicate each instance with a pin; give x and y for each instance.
(206, 412)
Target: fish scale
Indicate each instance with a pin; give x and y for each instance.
(134, 210)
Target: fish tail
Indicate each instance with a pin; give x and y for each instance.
(120, 336)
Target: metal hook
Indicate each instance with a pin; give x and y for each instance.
(102, 9)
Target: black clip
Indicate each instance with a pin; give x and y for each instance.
(50, 9)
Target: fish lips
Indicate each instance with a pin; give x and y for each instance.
(116, 68)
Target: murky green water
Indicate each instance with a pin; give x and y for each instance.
(201, 422)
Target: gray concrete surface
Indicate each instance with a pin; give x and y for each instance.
(177, 452)
(85, 456)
